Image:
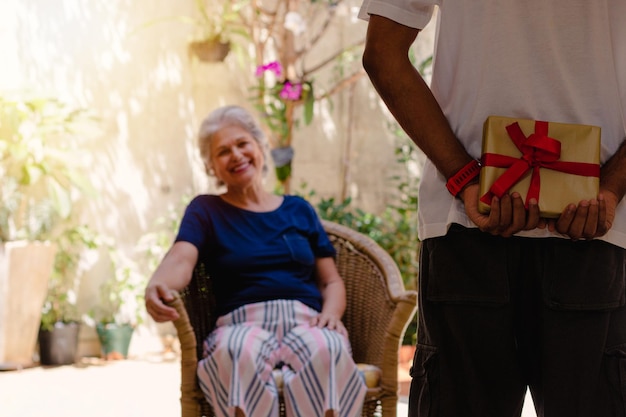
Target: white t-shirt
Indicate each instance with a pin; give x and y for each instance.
(555, 60)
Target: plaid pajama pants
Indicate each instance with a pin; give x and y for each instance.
(248, 343)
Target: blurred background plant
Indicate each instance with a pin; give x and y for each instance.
(395, 229)
(219, 20)
(121, 295)
(42, 165)
(291, 50)
(153, 246)
(218, 28)
(60, 305)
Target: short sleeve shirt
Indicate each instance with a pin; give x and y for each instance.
(253, 257)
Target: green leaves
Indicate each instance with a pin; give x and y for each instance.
(41, 140)
(309, 100)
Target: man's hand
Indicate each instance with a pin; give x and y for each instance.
(587, 220)
(507, 216)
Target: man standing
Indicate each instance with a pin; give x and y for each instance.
(508, 299)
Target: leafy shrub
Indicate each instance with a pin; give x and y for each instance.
(395, 229)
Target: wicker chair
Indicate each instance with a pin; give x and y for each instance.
(378, 312)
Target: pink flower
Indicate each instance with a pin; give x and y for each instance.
(273, 66)
(291, 91)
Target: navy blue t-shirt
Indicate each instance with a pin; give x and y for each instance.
(253, 257)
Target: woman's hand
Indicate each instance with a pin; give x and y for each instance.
(330, 321)
(333, 296)
(156, 296)
(173, 273)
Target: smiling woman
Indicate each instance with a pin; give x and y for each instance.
(277, 289)
(236, 159)
(227, 132)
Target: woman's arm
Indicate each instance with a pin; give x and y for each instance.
(333, 296)
(173, 273)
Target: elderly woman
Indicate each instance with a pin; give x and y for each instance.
(279, 296)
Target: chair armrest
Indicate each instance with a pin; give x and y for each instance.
(190, 391)
(406, 306)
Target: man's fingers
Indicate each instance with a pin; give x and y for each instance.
(591, 224)
(533, 218)
(564, 221)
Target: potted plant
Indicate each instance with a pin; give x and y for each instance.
(121, 307)
(60, 320)
(217, 26)
(41, 181)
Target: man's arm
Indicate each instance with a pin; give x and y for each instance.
(409, 99)
(407, 96)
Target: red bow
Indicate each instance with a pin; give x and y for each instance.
(538, 151)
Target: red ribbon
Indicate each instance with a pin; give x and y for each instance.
(538, 151)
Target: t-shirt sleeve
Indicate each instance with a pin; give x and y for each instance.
(320, 243)
(195, 225)
(412, 13)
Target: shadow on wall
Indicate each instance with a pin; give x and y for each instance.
(89, 53)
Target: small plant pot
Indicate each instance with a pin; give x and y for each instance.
(114, 340)
(211, 50)
(407, 352)
(59, 345)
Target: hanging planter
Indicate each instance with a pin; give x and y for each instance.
(209, 50)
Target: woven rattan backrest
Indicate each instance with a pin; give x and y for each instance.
(369, 309)
(200, 305)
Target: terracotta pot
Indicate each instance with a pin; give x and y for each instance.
(406, 353)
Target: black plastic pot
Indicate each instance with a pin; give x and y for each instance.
(59, 345)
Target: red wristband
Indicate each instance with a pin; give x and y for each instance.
(463, 177)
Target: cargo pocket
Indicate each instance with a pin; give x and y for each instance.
(467, 267)
(616, 375)
(424, 384)
(591, 276)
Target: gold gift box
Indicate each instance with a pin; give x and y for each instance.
(579, 143)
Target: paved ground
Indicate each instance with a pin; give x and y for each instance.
(96, 388)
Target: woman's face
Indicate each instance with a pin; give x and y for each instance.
(236, 157)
